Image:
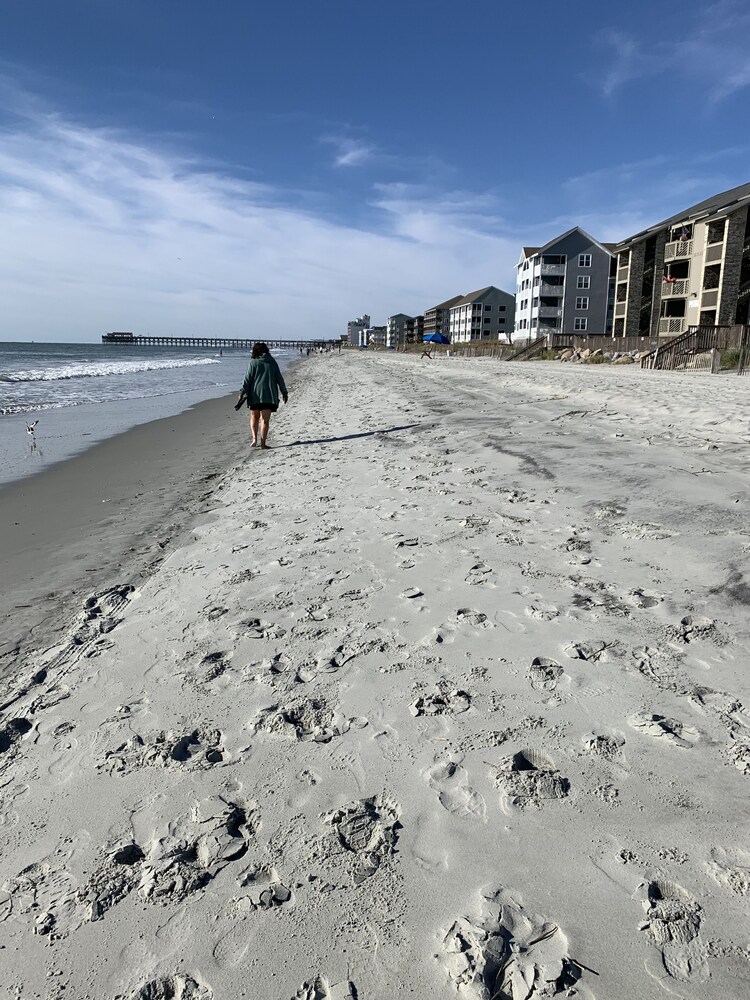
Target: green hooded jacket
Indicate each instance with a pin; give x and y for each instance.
(263, 381)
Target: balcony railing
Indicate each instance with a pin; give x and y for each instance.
(678, 250)
(670, 289)
(550, 312)
(546, 289)
(672, 324)
(553, 268)
(543, 330)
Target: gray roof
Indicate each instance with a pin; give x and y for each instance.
(724, 203)
(479, 294)
(574, 229)
(445, 305)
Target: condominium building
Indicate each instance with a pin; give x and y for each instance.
(355, 331)
(437, 319)
(376, 336)
(566, 286)
(398, 327)
(689, 270)
(486, 314)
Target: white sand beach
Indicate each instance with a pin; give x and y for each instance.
(446, 698)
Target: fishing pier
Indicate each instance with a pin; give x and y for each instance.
(229, 343)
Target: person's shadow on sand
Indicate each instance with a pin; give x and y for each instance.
(349, 437)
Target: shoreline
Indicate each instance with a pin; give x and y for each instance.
(464, 665)
(108, 515)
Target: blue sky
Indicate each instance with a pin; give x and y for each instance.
(275, 170)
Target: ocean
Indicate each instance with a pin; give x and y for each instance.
(80, 394)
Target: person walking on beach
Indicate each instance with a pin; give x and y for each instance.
(263, 382)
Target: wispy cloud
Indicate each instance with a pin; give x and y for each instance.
(708, 48)
(105, 230)
(350, 152)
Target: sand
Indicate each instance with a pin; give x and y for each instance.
(447, 698)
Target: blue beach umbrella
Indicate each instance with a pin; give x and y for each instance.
(436, 338)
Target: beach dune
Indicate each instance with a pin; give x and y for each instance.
(447, 697)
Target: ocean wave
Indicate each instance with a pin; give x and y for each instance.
(96, 369)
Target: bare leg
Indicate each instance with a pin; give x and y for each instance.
(265, 420)
(254, 418)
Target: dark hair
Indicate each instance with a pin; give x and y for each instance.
(260, 349)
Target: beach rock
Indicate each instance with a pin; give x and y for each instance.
(624, 359)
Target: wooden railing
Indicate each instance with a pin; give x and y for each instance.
(681, 353)
(529, 350)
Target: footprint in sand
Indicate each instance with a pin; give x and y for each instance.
(541, 611)
(529, 777)
(730, 867)
(468, 616)
(176, 987)
(478, 574)
(195, 850)
(411, 592)
(44, 895)
(673, 919)
(12, 733)
(544, 674)
(265, 890)
(642, 598)
(605, 743)
(321, 989)
(116, 875)
(739, 753)
(444, 701)
(673, 731)
(307, 720)
(367, 830)
(509, 953)
(595, 651)
(198, 749)
(451, 782)
(257, 628)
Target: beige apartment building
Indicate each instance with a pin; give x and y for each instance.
(692, 269)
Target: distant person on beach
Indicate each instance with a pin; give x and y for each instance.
(263, 382)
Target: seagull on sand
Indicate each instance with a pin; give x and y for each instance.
(30, 428)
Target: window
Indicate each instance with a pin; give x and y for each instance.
(501, 309)
(536, 280)
(584, 281)
(488, 319)
(580, 323)
(488, 309)
(535, 301)
(584, 260)
(582, 302)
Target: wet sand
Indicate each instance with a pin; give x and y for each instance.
(113, 510)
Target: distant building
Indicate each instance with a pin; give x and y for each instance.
(397, 328)
(376, 335)
(415, 330)
(437, 319)
(354, 330)
(566, 286)
(486, 314)
(691, 269)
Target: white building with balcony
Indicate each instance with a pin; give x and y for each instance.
(486, 314)
(356, 331)
(566, 286)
